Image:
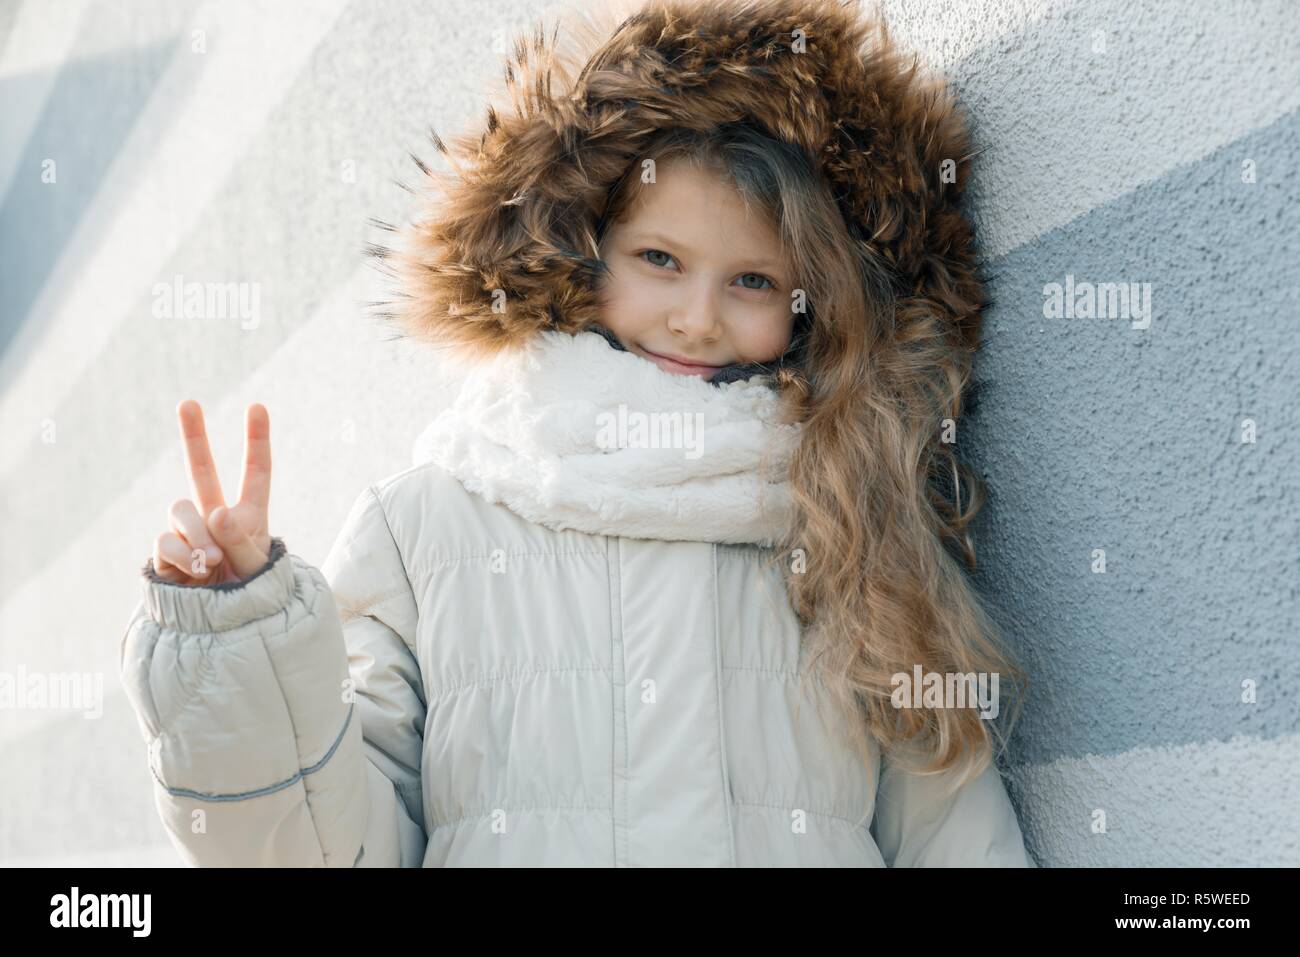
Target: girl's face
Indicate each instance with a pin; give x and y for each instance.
(695, 282)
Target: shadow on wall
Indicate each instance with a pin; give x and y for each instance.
(93, 105)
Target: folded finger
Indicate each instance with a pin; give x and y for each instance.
(172, 558)
(188, 523)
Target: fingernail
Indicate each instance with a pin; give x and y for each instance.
(212, 553)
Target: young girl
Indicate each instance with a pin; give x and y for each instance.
(649, 593)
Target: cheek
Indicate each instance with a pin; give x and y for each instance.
(764, 337)
(625, 306)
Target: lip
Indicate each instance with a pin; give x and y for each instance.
(679, 365)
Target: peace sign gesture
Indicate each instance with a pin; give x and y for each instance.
(208, 542)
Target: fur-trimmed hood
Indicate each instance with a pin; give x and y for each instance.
(507, 243)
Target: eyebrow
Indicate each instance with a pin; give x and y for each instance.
(653, 236)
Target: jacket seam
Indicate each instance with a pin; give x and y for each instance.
(793, 807)
(503, 676)
(618, 697)
(717, 686)
(497, 677)
(488, 556)
(269, 789)
(412, 646)
(401, 559)
(780, 673)
(363, 610)
(529, 809)
(394, 479)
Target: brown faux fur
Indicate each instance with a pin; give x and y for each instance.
(520, 208)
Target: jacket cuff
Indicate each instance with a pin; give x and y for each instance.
(205, 609)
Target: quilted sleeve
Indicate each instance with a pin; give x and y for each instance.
(282, 714)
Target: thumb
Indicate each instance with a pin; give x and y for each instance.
(242, 555)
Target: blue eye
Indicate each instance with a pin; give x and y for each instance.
(647, 253)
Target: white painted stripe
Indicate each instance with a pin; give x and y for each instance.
(44, 33)
(153, 195)
(1069, 130)
(41, 40)
(945, 34)
(1208, 804)
(46, 36)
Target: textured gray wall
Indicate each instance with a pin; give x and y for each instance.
(1115, 136)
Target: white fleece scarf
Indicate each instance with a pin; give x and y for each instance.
(571, 433)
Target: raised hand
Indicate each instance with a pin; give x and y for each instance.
(210, 543)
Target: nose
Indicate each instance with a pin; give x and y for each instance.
(696, 316)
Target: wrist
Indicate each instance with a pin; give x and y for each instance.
(224, 605)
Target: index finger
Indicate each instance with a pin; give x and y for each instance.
(198, 457)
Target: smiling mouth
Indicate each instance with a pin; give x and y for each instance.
(680, 365)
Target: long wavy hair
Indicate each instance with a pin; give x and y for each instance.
(874, 561)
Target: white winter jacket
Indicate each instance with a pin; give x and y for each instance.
(543, 644)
